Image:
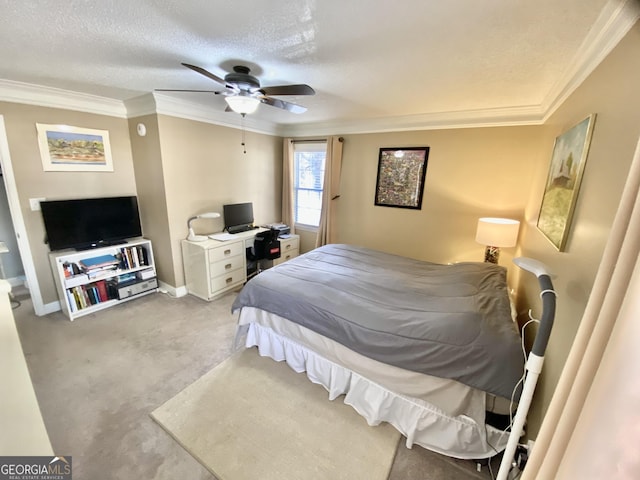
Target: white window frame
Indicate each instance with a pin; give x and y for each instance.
(314, 146)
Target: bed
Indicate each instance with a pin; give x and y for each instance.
(426, 347)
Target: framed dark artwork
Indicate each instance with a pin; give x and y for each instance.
(401, 174)
(563, 182)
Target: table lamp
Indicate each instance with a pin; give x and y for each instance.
(199, 238)
(496, 233)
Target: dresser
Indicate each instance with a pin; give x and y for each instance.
(213, 268)
(289, 248)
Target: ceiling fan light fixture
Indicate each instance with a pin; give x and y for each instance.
(242, 103)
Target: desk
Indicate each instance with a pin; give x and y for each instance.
(213, 268)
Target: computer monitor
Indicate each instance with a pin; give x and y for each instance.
(238, 217)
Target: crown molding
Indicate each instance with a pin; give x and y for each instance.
(140, 106)
(613, 23)
(166, 105)
(29, 94)
(492, 117)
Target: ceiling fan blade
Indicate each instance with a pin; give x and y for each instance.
(174, 90)
(300, 89)
(204, 72)
(291, 107)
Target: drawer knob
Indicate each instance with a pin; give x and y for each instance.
(227, 252)
(229, 280)
(288, 246)
(227, 266)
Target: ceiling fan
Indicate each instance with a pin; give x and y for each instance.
(243, 92)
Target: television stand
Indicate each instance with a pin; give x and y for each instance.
(104, 276)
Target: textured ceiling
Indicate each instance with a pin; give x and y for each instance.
(366, 60)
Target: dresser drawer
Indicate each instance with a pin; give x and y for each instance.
(225, 266)
(289, 244)
(226, 251)
(284, 256)
(230, 279)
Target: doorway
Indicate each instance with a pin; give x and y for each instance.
(22, 260)
(11, 268)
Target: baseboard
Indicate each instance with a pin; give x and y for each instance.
(171, 290)
(51, 307)
(17, 281)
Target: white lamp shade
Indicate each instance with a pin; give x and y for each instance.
(199, 238)
(208, 215)
(242, 103)
(497, 232)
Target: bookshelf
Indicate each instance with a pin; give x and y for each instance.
(88, 281)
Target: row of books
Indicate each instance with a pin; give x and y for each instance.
(86, 295)
(83, 296)
(133, 257)
(92, 267)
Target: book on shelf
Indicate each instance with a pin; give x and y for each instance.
(83, 296)
(112, 288)
(102, 261)
(125, 278)
(91, 294)
(72, 301)
(134, 256)
(102, 290)
(98, 272)
(143, 255)
(78, 297)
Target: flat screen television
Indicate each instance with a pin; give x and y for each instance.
(238, 217)
(90, 222)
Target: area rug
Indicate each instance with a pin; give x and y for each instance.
(254, 418)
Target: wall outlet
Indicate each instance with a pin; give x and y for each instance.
(34, 203)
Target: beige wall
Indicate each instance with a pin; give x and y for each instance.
(33, 182)
(611, 92)
(204, 167)
(471, 173)
(149, 173)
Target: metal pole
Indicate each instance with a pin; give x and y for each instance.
(534, 361)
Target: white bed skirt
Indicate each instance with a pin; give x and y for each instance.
(419, 421)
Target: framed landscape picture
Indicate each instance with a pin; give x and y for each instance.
(563, 182)
(74, 149)
(401, 174)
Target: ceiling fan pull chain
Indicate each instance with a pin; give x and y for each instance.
(244, 148)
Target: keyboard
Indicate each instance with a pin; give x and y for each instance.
(233, 231)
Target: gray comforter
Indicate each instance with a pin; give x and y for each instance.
(450, 321)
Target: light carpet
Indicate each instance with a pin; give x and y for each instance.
(251, 417)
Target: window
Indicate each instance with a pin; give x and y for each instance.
(308, 178)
